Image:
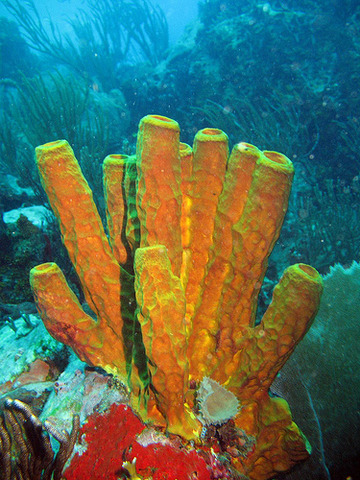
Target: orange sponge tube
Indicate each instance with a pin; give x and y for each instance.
(196, 228)
(159, 186)
(160, 297)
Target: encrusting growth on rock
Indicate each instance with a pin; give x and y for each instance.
(174, 285)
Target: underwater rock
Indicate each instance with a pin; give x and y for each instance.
(81, 390)
(13, 195)
(18, 351)
(24, 244)
(35, 214)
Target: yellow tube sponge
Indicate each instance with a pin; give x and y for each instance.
(174, 285)
(250, 213)
(81, 228)
(106, 286)
(210, 155)
(161, 314)
(94, 342)
(159, 186)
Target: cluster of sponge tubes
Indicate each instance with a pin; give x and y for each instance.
(174, 283)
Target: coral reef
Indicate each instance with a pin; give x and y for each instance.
(14, 52)
(328, 225)
(197, 243)
(279, 73)
(23, 246)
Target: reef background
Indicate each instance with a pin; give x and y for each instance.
(282, 75)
